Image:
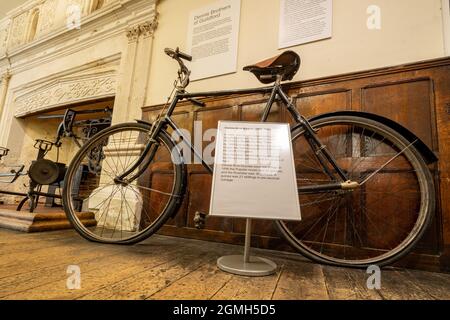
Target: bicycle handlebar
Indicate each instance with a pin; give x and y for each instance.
(175, 54)
(183, 73)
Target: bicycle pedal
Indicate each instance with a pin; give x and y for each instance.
(200, 220)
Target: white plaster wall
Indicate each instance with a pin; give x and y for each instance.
(411, 31)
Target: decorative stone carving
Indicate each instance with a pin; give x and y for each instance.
(133, 33)
(64, 92)
(48, 12)
(19, 29)
(145, 29)
(61, 66)
(6, 76)
(4, 38)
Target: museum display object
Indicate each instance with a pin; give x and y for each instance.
(346, 163)
(44, 172)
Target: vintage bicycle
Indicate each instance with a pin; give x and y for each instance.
(347, 164)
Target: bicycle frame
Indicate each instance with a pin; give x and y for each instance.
(330, 149)
(320, 150)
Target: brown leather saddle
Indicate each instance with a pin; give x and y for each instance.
(286, 65)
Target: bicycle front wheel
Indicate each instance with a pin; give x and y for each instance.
(375, 224)
(116, 210)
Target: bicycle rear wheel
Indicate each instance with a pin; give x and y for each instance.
(120, 212)
(379, 222)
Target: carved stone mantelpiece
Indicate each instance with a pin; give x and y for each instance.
(58, 66)
(65, 91)
(53, 17)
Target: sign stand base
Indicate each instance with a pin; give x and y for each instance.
(247, 265)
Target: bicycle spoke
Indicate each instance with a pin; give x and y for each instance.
(122, 212)
(387, 163)
(372, 223)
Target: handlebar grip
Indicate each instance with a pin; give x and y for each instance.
(174, 54)
(184, 56)
(170, 52)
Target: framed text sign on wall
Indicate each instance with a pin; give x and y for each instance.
(303, 21)
(254, 173)
(213, 34)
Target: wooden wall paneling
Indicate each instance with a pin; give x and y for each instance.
(441, 77)
(416, 95)
(406, 102)
(322, 101)
(199, 180)
(253, 111)
(183, 118)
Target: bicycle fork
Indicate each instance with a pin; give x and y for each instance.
(149, 152)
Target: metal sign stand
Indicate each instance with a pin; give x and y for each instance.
(247, 265)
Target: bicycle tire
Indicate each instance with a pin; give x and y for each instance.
(427, 203)
(173, 203)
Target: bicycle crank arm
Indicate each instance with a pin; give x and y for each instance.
(348, 185)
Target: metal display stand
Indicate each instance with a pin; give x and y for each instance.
(247, 265)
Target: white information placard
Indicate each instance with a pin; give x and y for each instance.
(303, 21)
(254, 173)
(213, 34)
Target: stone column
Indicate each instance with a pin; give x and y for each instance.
(130, 98)
(4, 91)
(134, 73)
(143, 65)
